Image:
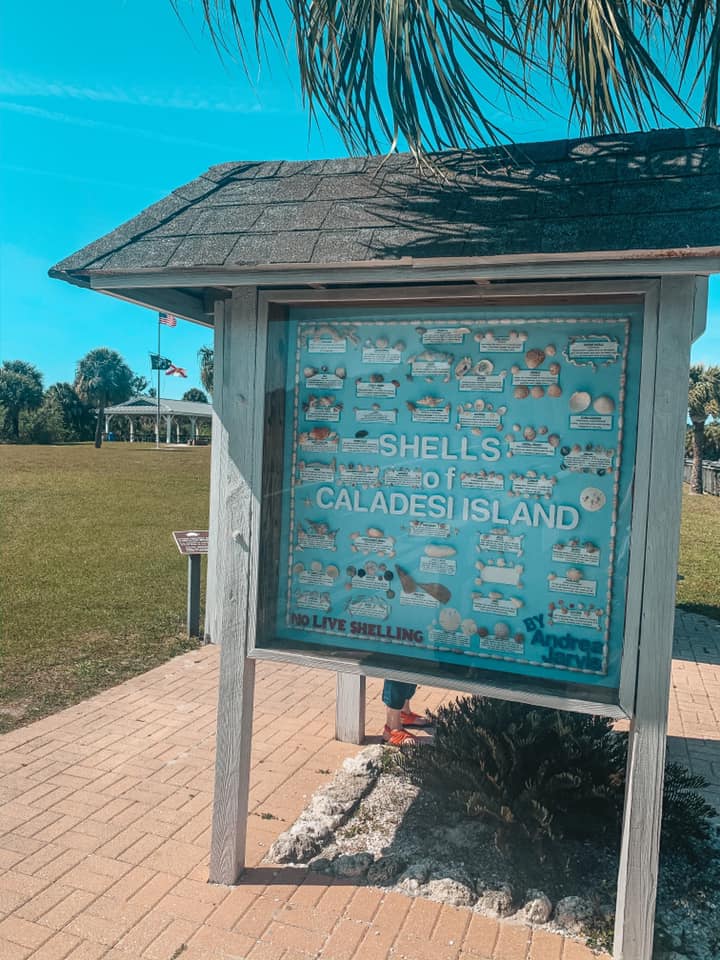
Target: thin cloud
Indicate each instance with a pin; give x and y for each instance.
(21, 85)
(40, 113)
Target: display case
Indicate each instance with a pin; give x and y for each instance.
(447, 495)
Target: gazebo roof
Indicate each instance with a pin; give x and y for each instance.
(653, 192)
(147, 406)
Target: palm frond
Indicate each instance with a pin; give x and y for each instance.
(432, 72)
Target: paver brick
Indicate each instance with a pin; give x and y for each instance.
(171, 941)
(512, 943)
(296, 938)
(24, 932)
(61, 914)
(217, 944)
(57, 947)
(344, 940)
(13, 951)
(545, 946)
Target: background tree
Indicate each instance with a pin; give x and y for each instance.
(103, 378)
(703, 402)
(139, 385)
(433, 73)
(195, 395)
(76, 416)
(21, 388)
(206, 356)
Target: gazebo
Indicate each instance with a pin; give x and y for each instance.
(169, 410)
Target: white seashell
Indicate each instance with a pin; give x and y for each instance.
(468, 627)
(574, 575)
(449, 619)
(521, 392)
(440, 550)
(537, 391)
(533, 358)
(604, 404)
(554, 390)
(592, 499)
(579, 401)
(484, 367)
(502, 631)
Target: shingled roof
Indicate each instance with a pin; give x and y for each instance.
(655, 192)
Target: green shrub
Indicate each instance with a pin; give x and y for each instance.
(538, 776)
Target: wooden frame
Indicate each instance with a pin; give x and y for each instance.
(673, 311)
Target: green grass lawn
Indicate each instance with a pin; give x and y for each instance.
(700, 555)
(92, 587)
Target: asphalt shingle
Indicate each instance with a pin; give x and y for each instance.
(655, 191)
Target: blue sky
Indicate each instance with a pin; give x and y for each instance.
(101, 114)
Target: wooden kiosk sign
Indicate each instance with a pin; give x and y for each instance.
(454, 468)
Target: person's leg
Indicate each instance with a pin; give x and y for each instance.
(395, 695)
(409, 718)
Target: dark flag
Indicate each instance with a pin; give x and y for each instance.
(159, 363)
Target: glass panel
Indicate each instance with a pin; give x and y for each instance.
(452, 489)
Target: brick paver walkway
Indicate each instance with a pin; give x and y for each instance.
(105, 813)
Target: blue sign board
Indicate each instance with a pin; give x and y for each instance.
(458, 486)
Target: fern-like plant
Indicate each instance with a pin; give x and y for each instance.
(539, 776)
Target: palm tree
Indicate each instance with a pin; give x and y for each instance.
(102, 377)
(75, 414)
(703, 402)
(21, 388)
(433, 72)
(206, 356)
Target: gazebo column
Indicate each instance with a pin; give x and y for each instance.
(168, 429)
(132, 429)
(177, 431)
(107, 424)
(193, 429)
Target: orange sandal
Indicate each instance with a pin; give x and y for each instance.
(410, 719)
(396, 738)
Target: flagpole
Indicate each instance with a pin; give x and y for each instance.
(157, 418)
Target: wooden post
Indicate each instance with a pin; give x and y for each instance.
(640, 845)
(350, 708)
(193, 595)
(234, 537)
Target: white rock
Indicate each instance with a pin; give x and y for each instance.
(537, 908)
(496, 903)
(447, 890)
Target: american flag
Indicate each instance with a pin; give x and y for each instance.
(167, 319)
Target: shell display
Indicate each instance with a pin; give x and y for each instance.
(579, 401)
(604, 404)
(437, 590)
(463, 366)
(406, 581)
(534, 357)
